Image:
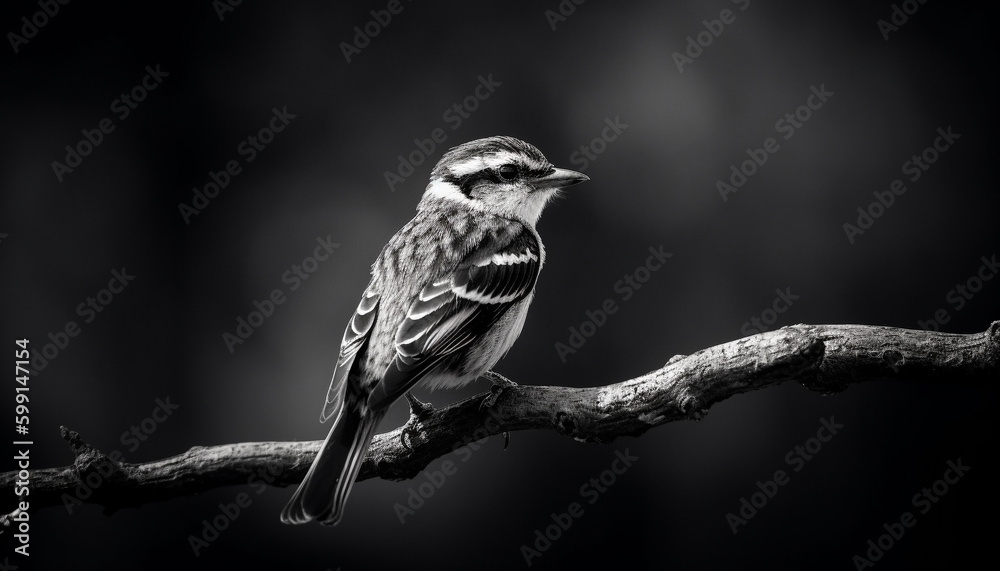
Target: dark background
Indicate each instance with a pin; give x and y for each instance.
(654, 185)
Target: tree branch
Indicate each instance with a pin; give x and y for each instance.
(823, 358)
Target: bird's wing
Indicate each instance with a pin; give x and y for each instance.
(355, 337)
(457, 308)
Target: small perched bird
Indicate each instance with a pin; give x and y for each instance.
(448, 297)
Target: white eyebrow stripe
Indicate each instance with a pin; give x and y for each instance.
(504, 157)
(496, 160)
(469, 166)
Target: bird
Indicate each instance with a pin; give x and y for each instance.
(448, 297)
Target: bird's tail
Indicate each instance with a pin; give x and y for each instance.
(323, 491)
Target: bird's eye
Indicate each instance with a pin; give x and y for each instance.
(508, 172)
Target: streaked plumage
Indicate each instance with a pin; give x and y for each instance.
(448, 297)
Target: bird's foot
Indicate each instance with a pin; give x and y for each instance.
(500, 383)
(419, 411)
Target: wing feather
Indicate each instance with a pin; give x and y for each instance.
(458, 308)
(355, 338)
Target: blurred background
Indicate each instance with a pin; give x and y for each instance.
(310, 112)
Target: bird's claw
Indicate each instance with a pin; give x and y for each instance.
(500, 383)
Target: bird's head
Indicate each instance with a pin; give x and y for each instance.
(499, 175)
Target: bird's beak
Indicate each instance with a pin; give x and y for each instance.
(561, 178)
